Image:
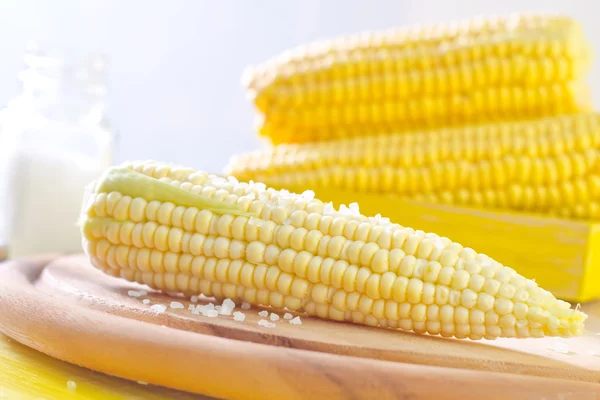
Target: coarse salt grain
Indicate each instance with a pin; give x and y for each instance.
(158, 308)
(194, 299)
(71, 385)
(376, 219)
(227, 307)
(266, 324)
(308, 195)
(384, 221)
(143, 292)
(176, 305)
(239, 316)
(211, 313)
(146, 301)
(246, 305)
(559, 346)
(296, 321)
(274, 317)
(328, 209)
(134, 293)
(263, 313)
(344, 210)
(287, 315)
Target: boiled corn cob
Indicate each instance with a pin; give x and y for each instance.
(177, 229)
(549, 166)
(472, 71)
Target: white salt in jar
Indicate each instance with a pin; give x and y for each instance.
(54, 140)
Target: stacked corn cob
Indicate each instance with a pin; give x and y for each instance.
(549, 166)
(488, 113)
(177, 229)
(415, 78)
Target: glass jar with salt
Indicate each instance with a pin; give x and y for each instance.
(54, 139)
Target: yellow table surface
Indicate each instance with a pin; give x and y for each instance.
(28, 374)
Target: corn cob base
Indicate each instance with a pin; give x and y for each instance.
(299, 253)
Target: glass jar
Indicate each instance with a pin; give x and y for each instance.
(54, 140)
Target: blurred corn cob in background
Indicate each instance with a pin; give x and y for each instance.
(414, 78)
(549, 166)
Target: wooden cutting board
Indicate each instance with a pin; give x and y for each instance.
(65, 308)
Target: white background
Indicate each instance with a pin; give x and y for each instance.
(176, 65)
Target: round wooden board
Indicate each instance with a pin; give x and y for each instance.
(64, 307)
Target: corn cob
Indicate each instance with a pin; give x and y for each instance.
(269, 247)
(413, 78)
(548, 166)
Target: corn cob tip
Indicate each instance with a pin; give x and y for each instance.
(298, 253)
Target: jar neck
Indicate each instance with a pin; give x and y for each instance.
(68, 89)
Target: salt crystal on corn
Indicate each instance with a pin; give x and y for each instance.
(176, 305)
(71, 385)
(263, 313)
(308, 195)
(344, 210)
(134, 293)
(194, 299)
(274, 317)
(437, 242)
(296, 321)
(211, 313)
(287, 315)
(146, 301)
(328, 209)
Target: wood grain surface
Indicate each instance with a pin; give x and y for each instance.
(69, 310)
